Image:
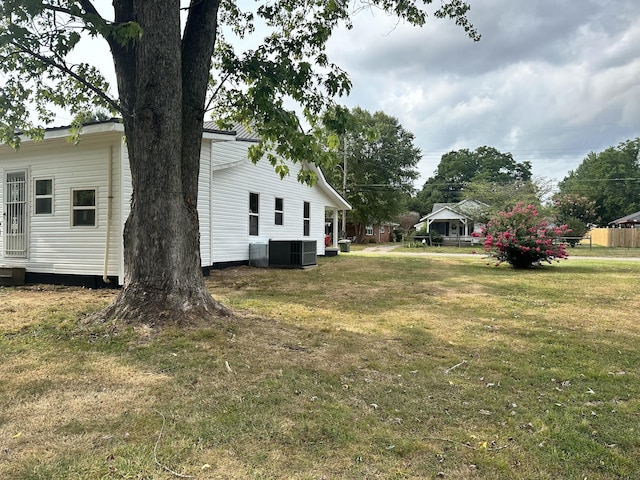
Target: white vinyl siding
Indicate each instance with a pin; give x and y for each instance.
(204, 204)
(54, 245)
(234, 177)
(226, 178)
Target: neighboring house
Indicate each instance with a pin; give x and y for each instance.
(453, 221)
(64, 206)
(377, 232)
(628, 221)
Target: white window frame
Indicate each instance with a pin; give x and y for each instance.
(368, 230)
(306, 219)
(77, 208)
(279, 213)
(255, 214)
(37, 197)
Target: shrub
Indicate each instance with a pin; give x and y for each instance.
(577, 212)
(578, 229)
(521, 238)
(576, 206)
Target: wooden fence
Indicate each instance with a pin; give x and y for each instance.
(616, 237)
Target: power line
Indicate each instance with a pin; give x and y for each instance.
(510, 182)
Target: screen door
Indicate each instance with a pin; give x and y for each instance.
(15, 214)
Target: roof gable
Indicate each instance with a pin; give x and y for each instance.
(633, 218)
(446, 213)
(455, 211)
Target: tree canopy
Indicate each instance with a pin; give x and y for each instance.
(484, 171)
(500, 196)
(380, 160)
(575, 211)
(172, 65)
(611, 179)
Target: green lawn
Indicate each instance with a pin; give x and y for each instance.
(365, 367)
(578, 251)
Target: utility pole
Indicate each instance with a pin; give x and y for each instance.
(344, 186)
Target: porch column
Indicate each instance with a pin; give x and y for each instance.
(334, 228)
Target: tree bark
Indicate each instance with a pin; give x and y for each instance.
(162, 116)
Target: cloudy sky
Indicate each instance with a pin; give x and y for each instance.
(550, 81)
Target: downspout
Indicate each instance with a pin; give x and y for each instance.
(105, 271)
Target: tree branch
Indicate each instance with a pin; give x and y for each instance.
(56, 8)
(217, 90)
(155, 451)
(90, 16)
(89, 8)
(124, 60)
(68, 71)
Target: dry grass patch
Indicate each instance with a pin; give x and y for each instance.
(68, 401)
(364, 367)
(25, 306)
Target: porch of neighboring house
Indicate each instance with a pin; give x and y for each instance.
(453, 232)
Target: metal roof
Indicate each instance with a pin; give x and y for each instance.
(241, 132)
(631, 219)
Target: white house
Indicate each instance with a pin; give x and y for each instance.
(64, 206)
(453, 221)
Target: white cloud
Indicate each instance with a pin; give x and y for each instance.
(550, 81)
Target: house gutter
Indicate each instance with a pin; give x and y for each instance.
(105, 277)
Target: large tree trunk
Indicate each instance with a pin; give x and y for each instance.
(162, 115)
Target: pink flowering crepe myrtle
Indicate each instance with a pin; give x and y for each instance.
(521, 238)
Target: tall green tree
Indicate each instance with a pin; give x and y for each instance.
(380, 161)
(163, 52)
(486, 168)
(483, 167)
(611, 179)
(575, 211)
(499, 196)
